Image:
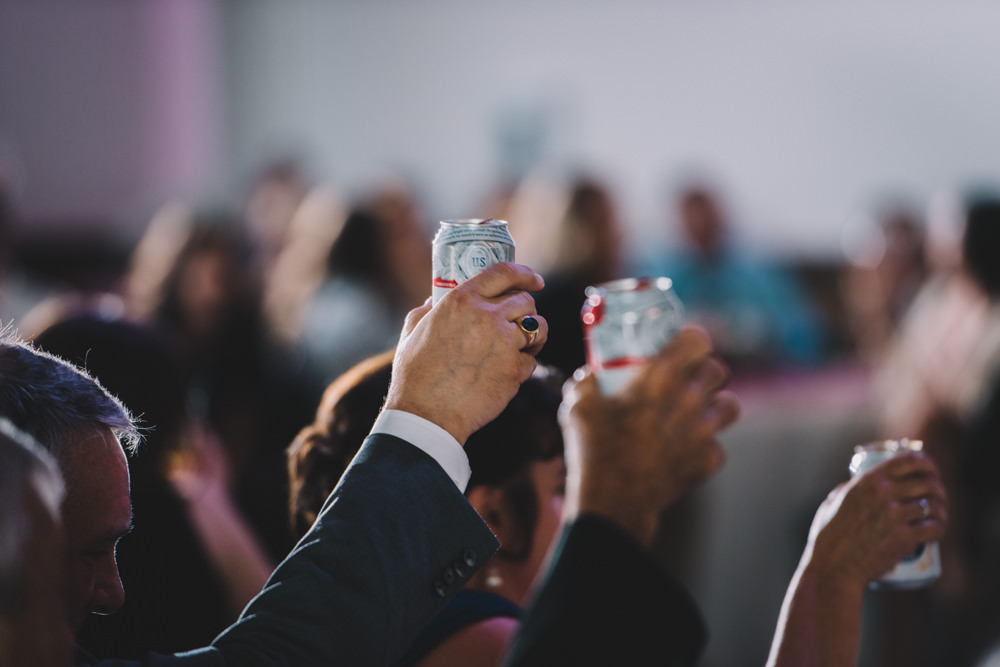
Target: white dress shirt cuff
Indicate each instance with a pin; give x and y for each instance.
(431, 438)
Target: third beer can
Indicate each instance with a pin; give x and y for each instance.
(923, 566)
(624, 323)
(463, 248)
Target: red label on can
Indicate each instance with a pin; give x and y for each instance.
(619, 362)
(445, 283)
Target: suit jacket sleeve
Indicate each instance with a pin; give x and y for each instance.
(394, 541)
(607, 601)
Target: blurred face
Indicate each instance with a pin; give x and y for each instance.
(97, 513)
(270, 209)
(407, 253)
(517, 575)
(549, 478)
(40, 635)
(701, 222)
(206, 288)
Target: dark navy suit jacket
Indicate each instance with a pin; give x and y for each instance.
(346, 594)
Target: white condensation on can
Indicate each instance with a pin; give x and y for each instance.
(923, 566)
(463, 248)
(624, 323)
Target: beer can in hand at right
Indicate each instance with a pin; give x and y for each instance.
(625, 322)
(923, 566)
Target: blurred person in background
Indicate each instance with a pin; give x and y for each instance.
(301, 264)
(397, 202)
(377, 269)
(273, 196)
(758, 315)
(248, 388)
(189, 542)
(882, 280)
(932, 368)
(517, 482)
(533, 206)
(588, 252)
(33, 627)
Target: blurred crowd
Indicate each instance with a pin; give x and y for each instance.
(242, 316)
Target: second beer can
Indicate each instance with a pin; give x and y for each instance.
(463, 248)
(624, 323)
(923, 566)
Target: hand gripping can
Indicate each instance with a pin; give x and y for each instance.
(923, 566)
(624, 323)
(463, 248)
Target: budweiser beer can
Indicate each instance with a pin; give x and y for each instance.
(624, 323)
(923, 566)
(463, 248)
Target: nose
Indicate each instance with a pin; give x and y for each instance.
(108, 594)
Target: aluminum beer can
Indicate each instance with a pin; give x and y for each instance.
(463, 248)
(923, 566)
(624, 323)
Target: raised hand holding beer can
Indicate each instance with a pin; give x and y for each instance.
(923, 566)
(625, 322)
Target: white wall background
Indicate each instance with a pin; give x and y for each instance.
(806, 112)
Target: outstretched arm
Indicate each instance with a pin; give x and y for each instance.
(862, 529)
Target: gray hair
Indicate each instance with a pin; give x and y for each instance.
(54, 401)
(24, 466)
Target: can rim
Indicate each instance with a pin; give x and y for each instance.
(468, 222)
(630, 285)
(891, 446)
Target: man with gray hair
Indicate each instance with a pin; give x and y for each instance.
(84, 428)
(32, 626)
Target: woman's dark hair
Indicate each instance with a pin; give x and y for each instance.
(981, 243)
(220, 233)
(500, 453)
(322, 450)
(358, 251)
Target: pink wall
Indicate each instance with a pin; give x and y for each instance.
(106, 105)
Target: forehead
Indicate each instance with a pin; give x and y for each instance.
(97, 500)
(549, 473)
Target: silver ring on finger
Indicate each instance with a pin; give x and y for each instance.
(925, 508)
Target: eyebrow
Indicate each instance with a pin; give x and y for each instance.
(112, 537)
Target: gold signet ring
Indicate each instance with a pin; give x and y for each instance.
(529, 325)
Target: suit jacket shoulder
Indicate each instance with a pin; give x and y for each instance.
(607, 601)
